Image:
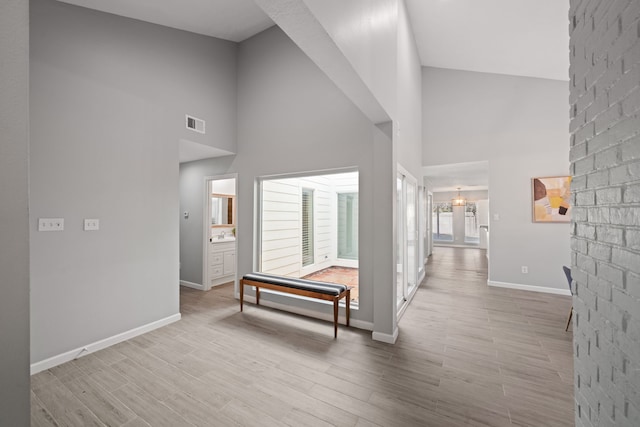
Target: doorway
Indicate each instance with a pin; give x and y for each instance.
(459, 211)
(407, 237)
(219, 230)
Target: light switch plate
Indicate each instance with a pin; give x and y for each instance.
(91, 224)
(50, 224)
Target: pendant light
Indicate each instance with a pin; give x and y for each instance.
(458, 201)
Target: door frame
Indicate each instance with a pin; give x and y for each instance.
(206, 227)
(407, 294)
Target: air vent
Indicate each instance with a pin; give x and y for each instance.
(195, 124)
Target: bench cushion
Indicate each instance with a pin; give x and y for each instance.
(303, 284)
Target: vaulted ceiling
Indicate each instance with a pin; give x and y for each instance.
(518, 37)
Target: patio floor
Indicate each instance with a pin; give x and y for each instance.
(341, 275)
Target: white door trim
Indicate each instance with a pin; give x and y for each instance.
(206, 283)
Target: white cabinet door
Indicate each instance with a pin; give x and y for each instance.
(229, 262)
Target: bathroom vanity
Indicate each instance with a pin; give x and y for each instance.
(222, 261)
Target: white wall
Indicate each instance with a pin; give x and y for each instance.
(366, 33)
(408, 118)
(521, 126)
(224, 186)
(377, 39)
(108, 98)
(14, 213)
(282, 229)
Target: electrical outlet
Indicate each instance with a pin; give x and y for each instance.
(525, 269)
(91, 224)
(50, 224)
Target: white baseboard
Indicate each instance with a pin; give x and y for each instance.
(99, 345)
(452, 245)
(360, 324)
(388, 338)
(529, 288)
(192, 285)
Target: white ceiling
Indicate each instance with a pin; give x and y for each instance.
(518, 37)
(466, 176)
(234, 20)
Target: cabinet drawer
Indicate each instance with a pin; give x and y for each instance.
(215, 259)
(215, 272)
(221, 247)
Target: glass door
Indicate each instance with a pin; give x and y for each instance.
(429, 238)
(422, 212)
(412, 235)
(407, 237)
(400, 244)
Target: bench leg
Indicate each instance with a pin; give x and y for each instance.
(241, 293)
(348, 304)
(335, 317)
(257, 295)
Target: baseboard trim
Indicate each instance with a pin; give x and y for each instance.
(388, 338)
(359, 324)
(191, 285)
(451, 245)
(530, 288)
(99, 345)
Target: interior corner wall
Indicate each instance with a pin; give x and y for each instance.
(291, 119)
(520, 125)
(108, 100)
(14, 213)
(192, 175)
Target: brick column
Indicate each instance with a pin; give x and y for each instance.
(605, 162)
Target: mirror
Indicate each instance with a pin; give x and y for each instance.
(222, 210)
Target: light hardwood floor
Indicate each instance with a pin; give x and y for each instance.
(467, 355)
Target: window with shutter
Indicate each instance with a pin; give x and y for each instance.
(348, 226)
(307, 227)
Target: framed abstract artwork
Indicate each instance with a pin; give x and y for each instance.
(551, 199)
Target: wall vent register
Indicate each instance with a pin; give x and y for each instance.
(195, 124)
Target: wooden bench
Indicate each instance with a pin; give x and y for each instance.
(303, 287)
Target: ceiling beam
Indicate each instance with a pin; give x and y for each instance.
(297, 21)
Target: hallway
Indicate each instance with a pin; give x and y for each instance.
(503, 355)
(466, 355)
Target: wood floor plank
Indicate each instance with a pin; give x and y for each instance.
(107, 408)
(137, 422)
(298, 418)
(64, 407)
(40, 417)
(147, 407)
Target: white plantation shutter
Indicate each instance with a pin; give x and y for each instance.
(307, 226)
(348, 225)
